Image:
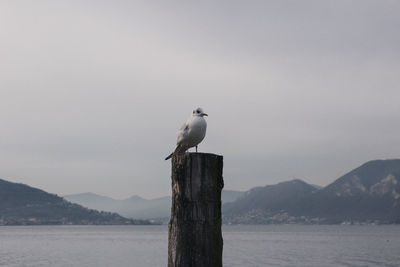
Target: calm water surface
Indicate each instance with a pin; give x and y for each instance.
(264, 245)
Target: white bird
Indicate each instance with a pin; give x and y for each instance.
(191, 133)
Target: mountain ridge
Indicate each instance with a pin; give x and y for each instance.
(136, 206)
(368, 194)
(22, 204)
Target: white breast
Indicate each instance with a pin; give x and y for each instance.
(193, 132)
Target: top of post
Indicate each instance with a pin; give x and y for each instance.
(201, 154)
(179, 159)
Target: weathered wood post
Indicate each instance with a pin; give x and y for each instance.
(194, 231)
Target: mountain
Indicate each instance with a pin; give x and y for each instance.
(230, 195)
(268, 204)
(136, 206)
(133, 207)
(317, 186)
(22, 205)
(374, 178)
(367, 194)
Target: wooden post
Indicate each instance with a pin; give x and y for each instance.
(194, 231)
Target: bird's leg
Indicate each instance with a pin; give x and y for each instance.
(196, 149)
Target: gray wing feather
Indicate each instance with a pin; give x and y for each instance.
(182, 133)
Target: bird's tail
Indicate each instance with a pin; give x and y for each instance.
(170, 156)
(179, 149)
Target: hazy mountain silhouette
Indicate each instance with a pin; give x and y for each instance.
(268, 204)
(22, 204)
(136, 206)
(367, 194)
(370, 192)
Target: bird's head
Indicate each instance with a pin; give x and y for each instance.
(199, 112)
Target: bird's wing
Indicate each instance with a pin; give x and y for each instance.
(183, 133)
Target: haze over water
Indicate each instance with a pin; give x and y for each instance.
(251, 245)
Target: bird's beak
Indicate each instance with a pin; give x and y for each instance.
(204, 114)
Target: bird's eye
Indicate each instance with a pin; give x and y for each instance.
(198, 111)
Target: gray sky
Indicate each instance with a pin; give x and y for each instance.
(92, 93)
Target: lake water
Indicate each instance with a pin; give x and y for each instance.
(264, 245)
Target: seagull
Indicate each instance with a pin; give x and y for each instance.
(191, 133)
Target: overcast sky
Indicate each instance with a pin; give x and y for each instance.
(92, 93)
